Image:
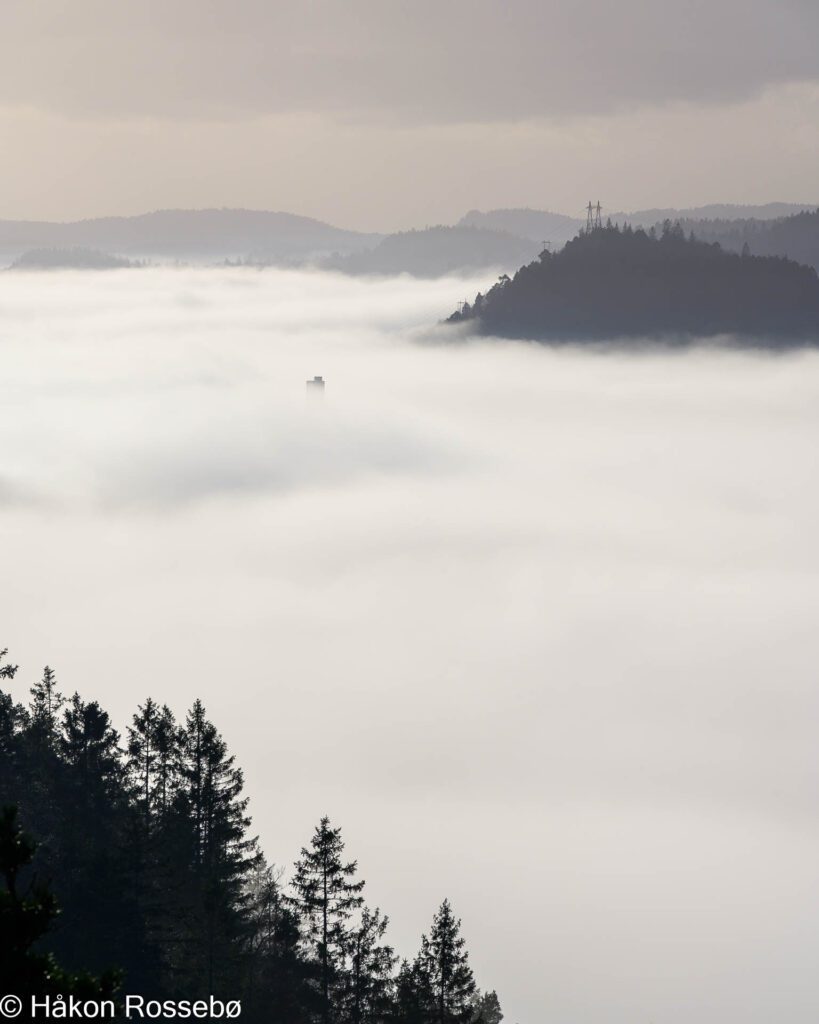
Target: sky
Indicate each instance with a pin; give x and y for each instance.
(534, 625)
(386, 115)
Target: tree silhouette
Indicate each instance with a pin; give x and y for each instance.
(325, 897)
(149, 850)
(367, 991)
(486, 1008)
(26, 914)
(445, 963)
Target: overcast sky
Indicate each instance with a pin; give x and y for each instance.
(385, 114)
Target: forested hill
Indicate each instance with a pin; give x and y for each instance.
(620, 283)
(796, 237)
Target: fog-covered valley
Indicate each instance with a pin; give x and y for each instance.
(534, 624)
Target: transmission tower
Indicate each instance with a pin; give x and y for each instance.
(594, 216)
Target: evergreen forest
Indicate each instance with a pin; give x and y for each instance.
(128, 863)
(613, 283)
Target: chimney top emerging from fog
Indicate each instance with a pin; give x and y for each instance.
(315, 386)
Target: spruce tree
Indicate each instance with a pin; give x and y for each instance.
(44, 709)
(278, 982)
(222, 855)
(445, 962)
(142, 756)
(95, 864)
(325, 898)
(486, 1008)
(414, 998)
(367, 990)
(6, 671)
(160, 839)
(12, 718)
(90, 745)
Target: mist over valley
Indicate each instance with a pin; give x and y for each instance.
(575, 585)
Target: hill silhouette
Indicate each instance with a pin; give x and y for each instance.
(536, 225)
(618, 283)
(558, 228)
(189, 235)
(796, 236)
(436, 251)
(70, 259)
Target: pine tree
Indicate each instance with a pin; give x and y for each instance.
(152, 761)
(90, 745)
(160, 839)
(445, 963)
(486, 1008)
(414, 998)
(44, 708)
(278, 978)
(6, 671)
(95, 863)
(367, 990)
(166, 760)
(12, 719)
(41, 794)
(221, 853)
(325, 898)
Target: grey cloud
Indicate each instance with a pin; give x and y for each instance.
(465, 60)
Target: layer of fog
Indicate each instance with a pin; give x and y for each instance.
(535, 626)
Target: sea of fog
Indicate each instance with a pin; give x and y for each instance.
(536, 626)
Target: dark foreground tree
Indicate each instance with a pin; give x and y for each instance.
(27, 911)
(220, 855)
(414, 998)
(148, 851)
(367, 989)
(325, 897)
(445, 967)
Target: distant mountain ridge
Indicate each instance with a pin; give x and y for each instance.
(796, 236)
(437, 251)
(70, 259)
(502, 238)
(711, 211)
(188, 234)
(537, 225)
(559, 228)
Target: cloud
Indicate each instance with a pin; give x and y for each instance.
(427, 62)
(528, 621)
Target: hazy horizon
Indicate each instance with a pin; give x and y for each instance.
(578, 213)
(561, 598)
(386, 117)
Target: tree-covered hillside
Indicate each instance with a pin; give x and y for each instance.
(624, 283)
(796, 237)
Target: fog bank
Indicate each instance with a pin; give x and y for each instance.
(534, 625)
